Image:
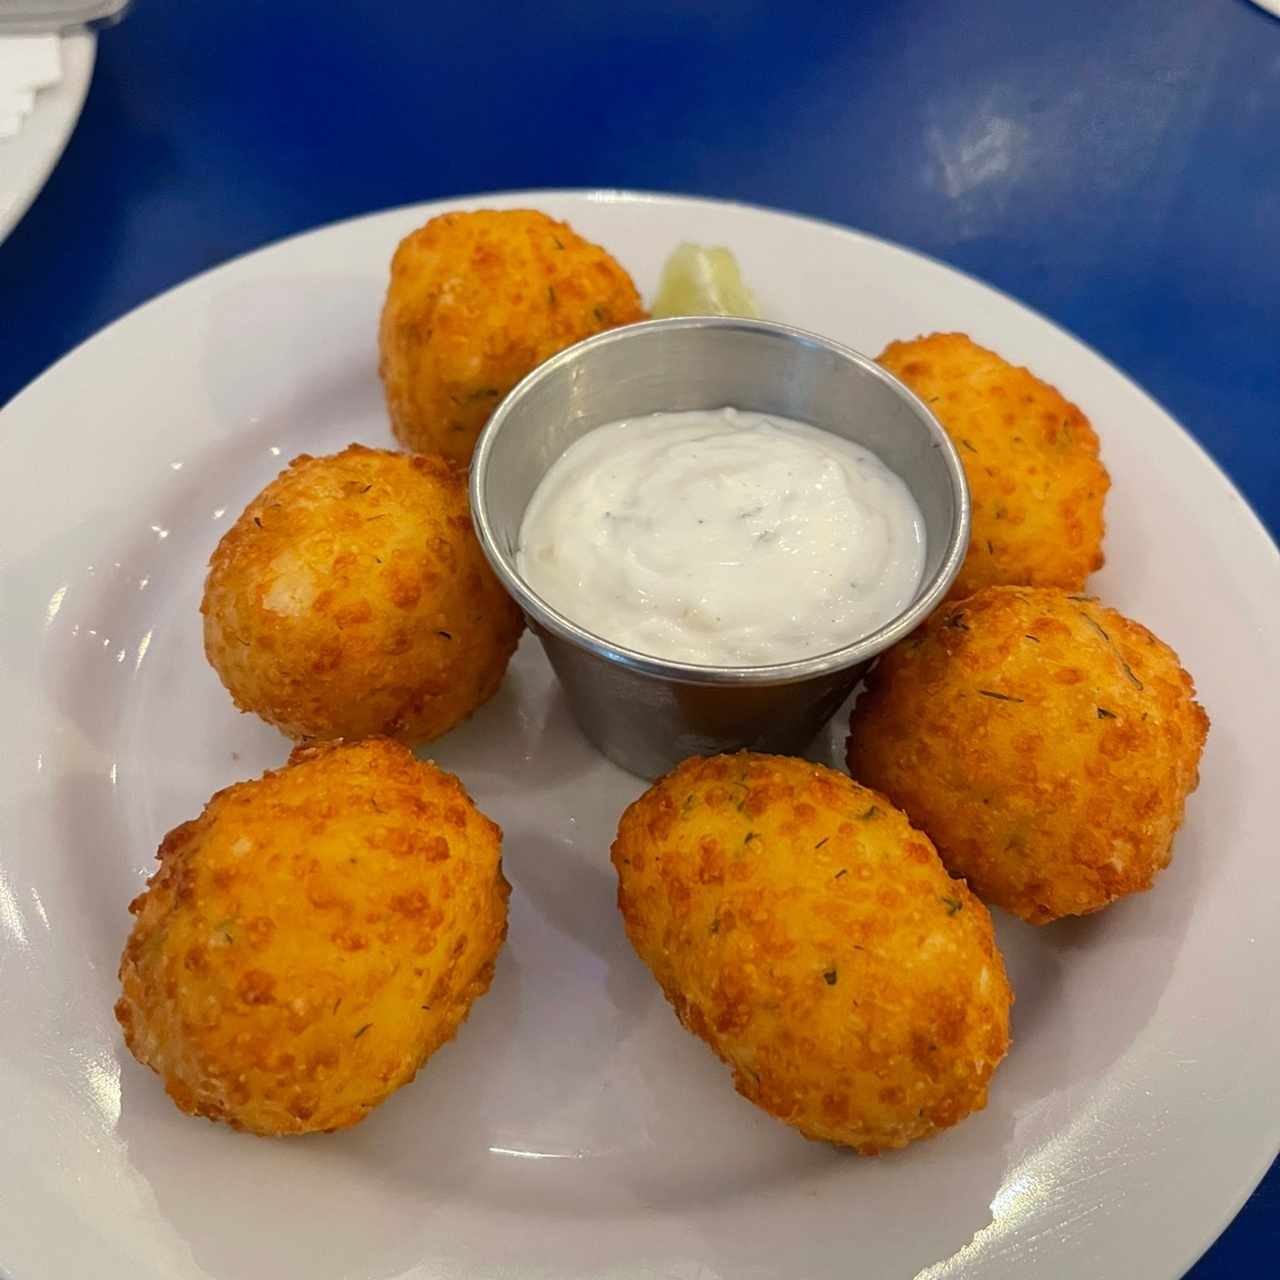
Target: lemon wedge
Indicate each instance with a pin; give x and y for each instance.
(702, 281)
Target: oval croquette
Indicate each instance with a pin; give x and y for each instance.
(1030, 456)
(312, 938)
(476, 301)
(1045, 742)
(803, 929)
(352, 599)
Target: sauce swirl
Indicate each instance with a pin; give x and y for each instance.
(722, 537)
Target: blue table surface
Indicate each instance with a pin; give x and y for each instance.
(1113, 163)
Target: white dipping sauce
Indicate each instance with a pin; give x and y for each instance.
(722, 537)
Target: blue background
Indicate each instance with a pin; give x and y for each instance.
(1113, 163)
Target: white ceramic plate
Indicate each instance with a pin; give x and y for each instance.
(574, 1130)
(27, 160)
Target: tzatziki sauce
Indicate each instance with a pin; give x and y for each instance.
(721, 537)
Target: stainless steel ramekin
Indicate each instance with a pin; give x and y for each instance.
(645, 713)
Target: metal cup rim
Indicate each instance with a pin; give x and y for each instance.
(543, 615)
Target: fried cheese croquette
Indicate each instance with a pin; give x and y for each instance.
(809, 934)
(352, 599)
(313, 938)
(1031, 459)
(478, 300)
(1046, 743)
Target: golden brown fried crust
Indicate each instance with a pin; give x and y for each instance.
(1031, 458)
(351, 598)
(478, 300)
(312, 938)
(1045, 742)
(803, 929)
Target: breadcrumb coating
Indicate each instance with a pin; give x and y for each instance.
(1030, 456)
(1046, 743)
(808, 933)
(476, 301)
(352, 599)
(312, 938)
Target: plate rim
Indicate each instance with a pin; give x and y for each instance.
(640, 196)
(624, 196)
(79, 84)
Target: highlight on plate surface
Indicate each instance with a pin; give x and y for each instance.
(314, 936)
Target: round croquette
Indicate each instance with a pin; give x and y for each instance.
(352, 599)
(1030, 456)
(809, 934)
(478, 300)
(312, 938)
(1046, 743)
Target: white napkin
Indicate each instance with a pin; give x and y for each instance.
(27, 65)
